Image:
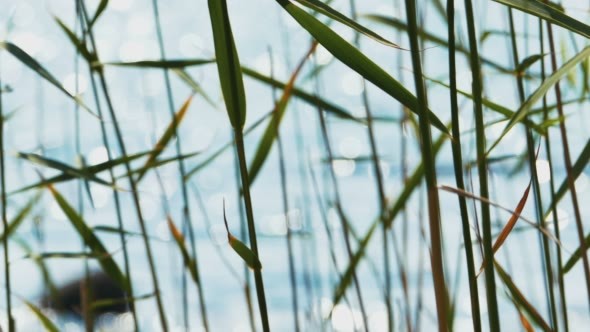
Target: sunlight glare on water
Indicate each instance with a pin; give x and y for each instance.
(543, 171)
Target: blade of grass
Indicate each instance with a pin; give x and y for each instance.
(482, 169)
(521, 301)
(272, 130)
(48, 325)
(357, 61)
(167, 136)
(436, 248)
(18, 219)
(458, 167)
(549, 13)
(550, 82)
(249, 257)
(509, 225)
(328, 11)
(232, 86)
(35, 66)
(90, 239)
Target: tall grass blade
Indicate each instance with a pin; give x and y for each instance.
(357, 61)
(35, 66)
(524, 109)
(509, 225)
(249, 257)
(549, 13)
(166, 137)
(90, 239)
(328, 11)
(228, 64)
(48, 325)
(272, 130)
(520, 300)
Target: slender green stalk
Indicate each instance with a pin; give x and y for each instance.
(571, 180)
(543, 241)
(87, 295)
(458, 167)
(563, 302)
(292, 272)
(11, 326)
(338, 206)
(187, 220)
(380, 185)
(132, 183)
(285, 197)
(239, 138)
(436, 260)
(482, 167)
(243, 236)
(122, 236)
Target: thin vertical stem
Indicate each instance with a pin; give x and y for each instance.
(482, 167)
(379, 182)
(132, 182)
(239, 138)
(11, 327)
(458, 167)
(436, 260)
(560, 281)
(544, 244)
(571, 180)
(187, 220)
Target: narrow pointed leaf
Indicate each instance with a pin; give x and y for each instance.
(356, 60)
(222, 149)
(94, 169)
(524, 109)
(509, 225)
(550, 14)
(189, 262)
(78, 44)
(310, 99)
(160, 64)
(241, 249)
(576, 256)
(272, 130)
(48, 325)
(411, 184)
(99, 10)
(328, 11)
(520, 300)
(66, 169)
(90, 239)
(165, 138)
(579, 165)
(20, 217)
(35, 66)
(228, 64)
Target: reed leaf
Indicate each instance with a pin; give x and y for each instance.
(189, 262)
(509, 225)
(241, 249)
(538, 94)
(357, 61)
(520, 299)
(228, 64)
(22, 214)
(549, 13)
(272, 130)
(48, 325)
(35, 66)
(90, 239)
(328, 11)
(166, 137)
